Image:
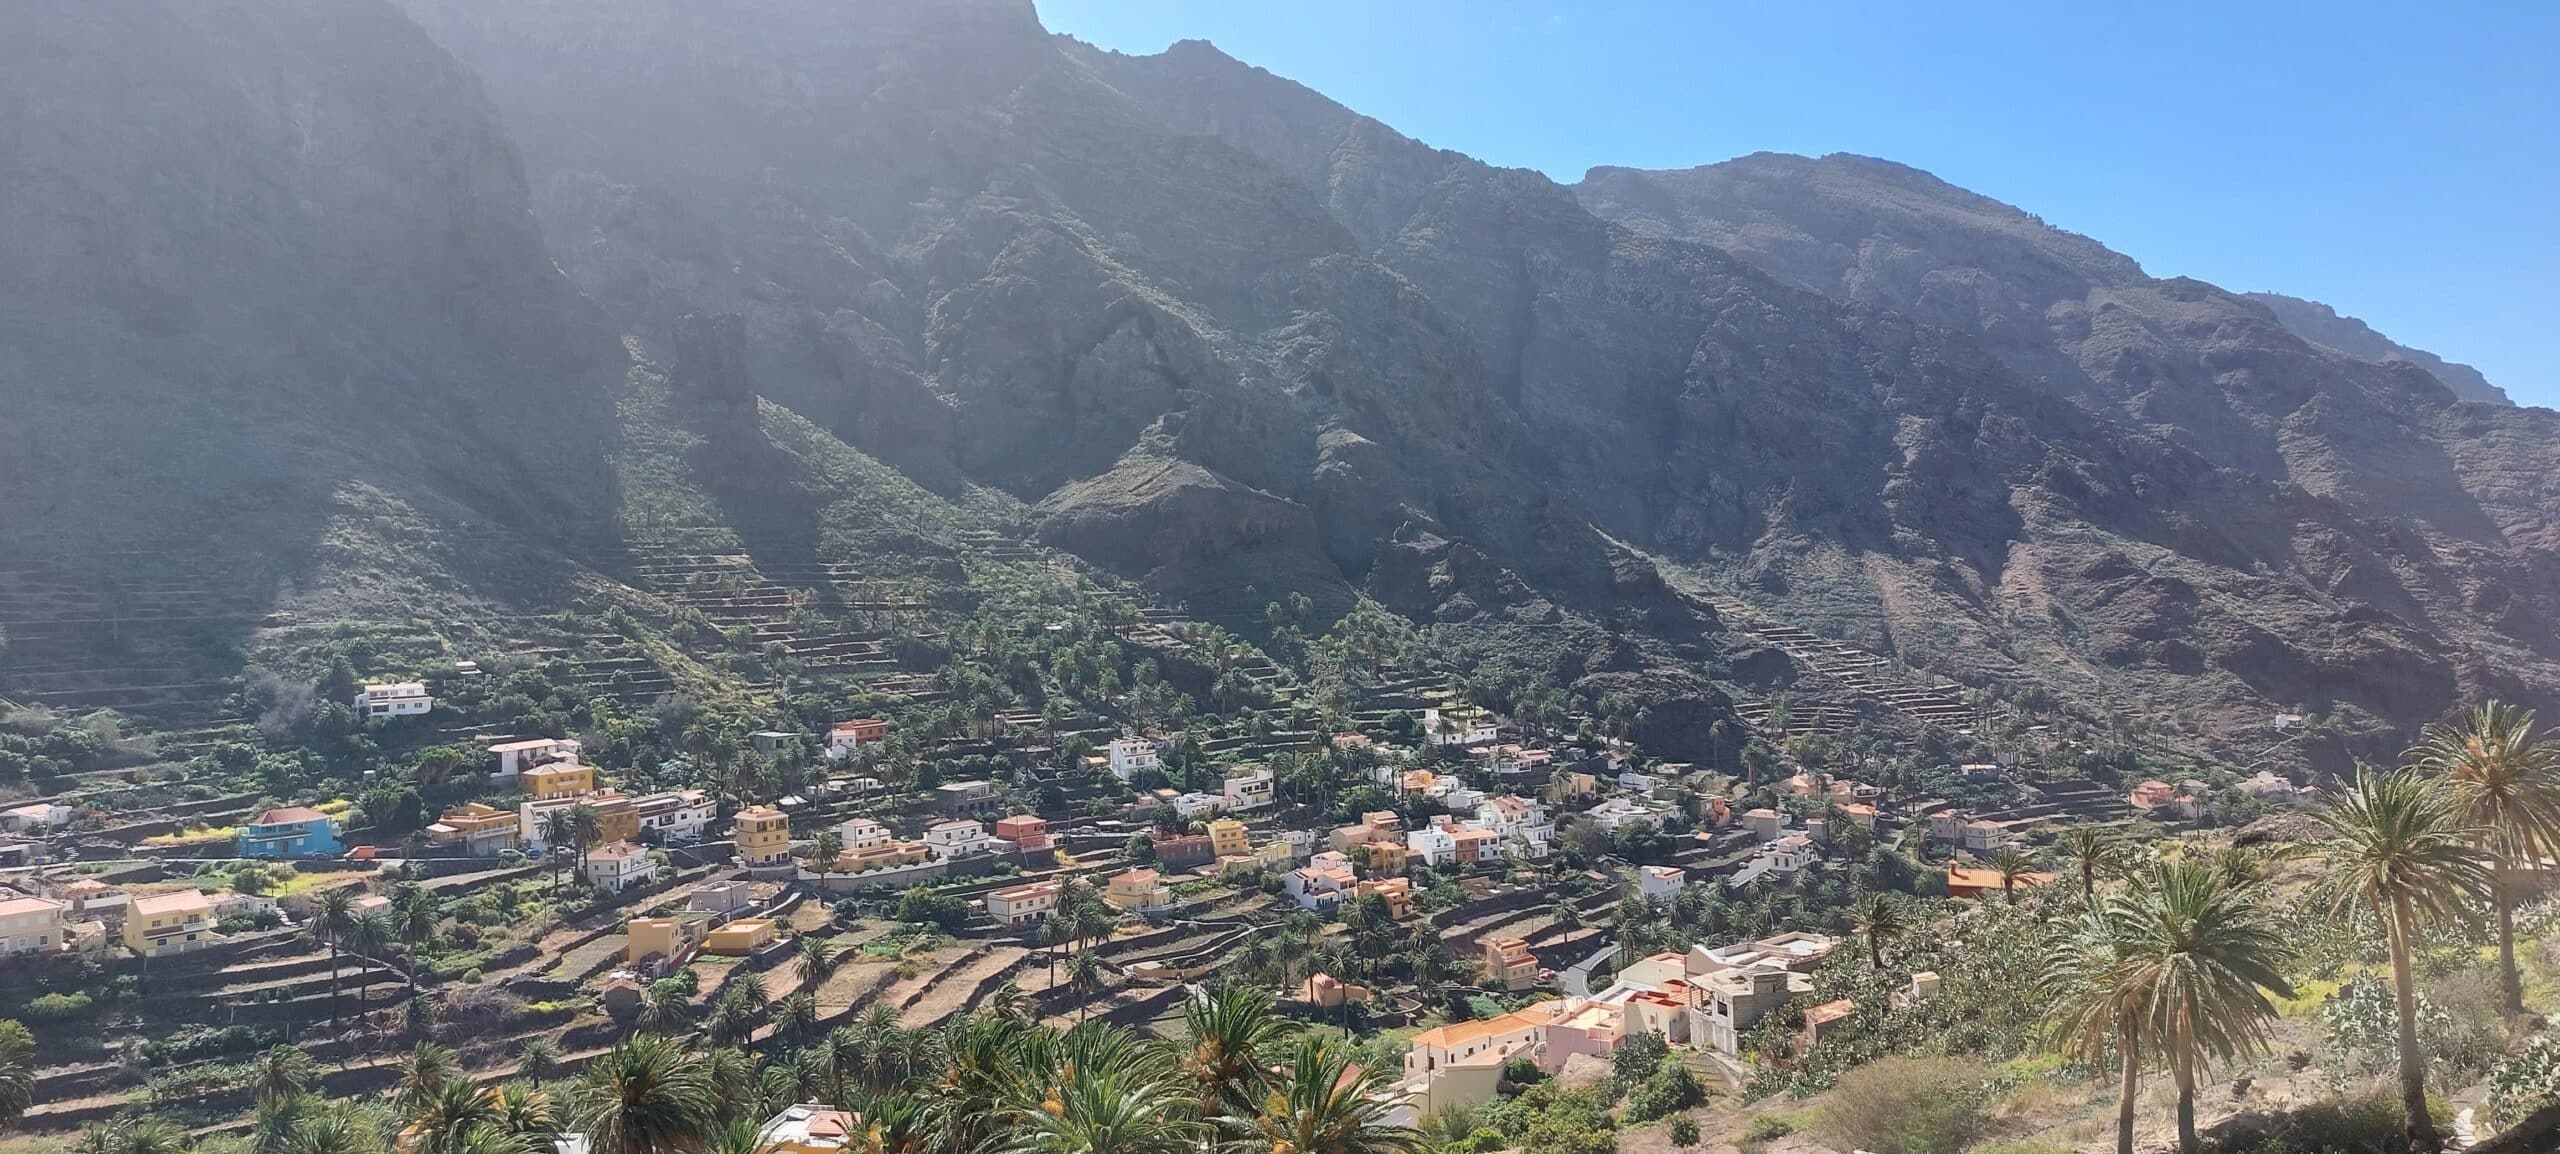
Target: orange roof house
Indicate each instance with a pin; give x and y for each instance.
(1973, 882)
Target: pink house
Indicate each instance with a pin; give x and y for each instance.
(1583, 1027)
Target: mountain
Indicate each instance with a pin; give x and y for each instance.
(812, 277)
(1229, 337)
(275, 323)
(2323, 325)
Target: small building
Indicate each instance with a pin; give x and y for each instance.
(1509, 964)
(1320, 884)
(883, 855)
(1249, 790)
(671, 938)
(863, 833)
(1227, 838)
(739, 938)
(1326, 992)
(762, 836)
(1396, 892)
(1024, 904)
(1974, 881)
(393, 699)
(810, 1128)
(36, 818)
(1431, 845)
(958, 838)
(1385, 857)
(722, 897)
(1660, 883)
(965, 797)
(557, 779)
(772, 741)
(1825, 1018)
(290, 832)
(617, 866)
(1131, 756)
(1181, 850)
(31, 925)
(475, 829)
(1138, 891)
(1025, 833)
(94, 900)
(1764, 824)
(677, 817)
(515, 757)
(847, 737)
(169, 923)
(1456, 728)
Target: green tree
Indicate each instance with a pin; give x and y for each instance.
(17, 1072)
(332, 916)
(2091, 851)
(2397, 846)
(1234, 1035)
(538, 1059)
(2505, 781)
(823, 850)
(279, 1075)
(1879, 919)
(646, 1096)
(2200, 953)
(1322, 1102)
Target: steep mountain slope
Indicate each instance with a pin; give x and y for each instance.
(958, 247)
(273, 314)
(2323, 325)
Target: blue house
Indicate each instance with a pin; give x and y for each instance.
(294, 831)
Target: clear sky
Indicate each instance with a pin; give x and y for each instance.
(2400, 161)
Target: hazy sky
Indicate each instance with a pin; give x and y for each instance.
(2399, 161)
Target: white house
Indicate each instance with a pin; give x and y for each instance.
(1131, 756)
(678, 816)
(1660, 883)
(1250, 789)
(394, 699)
(618, 866)
(959, 837)
(515, 757)
(1634, 782)
(1431, 845)
(36, 818)
(863, 833)
(1614, 814)
(1322, 883)
(1191, 805)
(1782, 857)
(1457, 729)
(1461, 799)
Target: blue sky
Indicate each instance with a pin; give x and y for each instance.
(2398, 161)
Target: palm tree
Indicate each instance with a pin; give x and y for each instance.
(817, 958)
(1234, 1034)
(2397, 845)
(424, 1073)
(2011, 863)
(732, 1020)
(1104, 1104)
(1053, 933)
(336, 1129)
(279, 1075)
(2090, 850)
(822, 853)
(1322, 1103)
(1879, 919)
(332, 915)
(17, 1072)
(795, 1016)
(647, 1096)
(439, 1122)
(369, 936)
(526, 1111)
(2505, 780)
(558, 830)
(538, 1058)
(1084, 973)
(2201, 952)
(666, 1008)
(2097, 1013)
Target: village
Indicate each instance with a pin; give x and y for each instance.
(1479, 893)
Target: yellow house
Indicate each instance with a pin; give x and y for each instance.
(617, 816)
(1227, 838)
(762, 835)
(169, 923)
(741, 937)
(558, 779)
(672, 938)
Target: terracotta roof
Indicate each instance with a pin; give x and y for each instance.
(290, 815)
(18, 907)
(173, 902)
(1459, 1033)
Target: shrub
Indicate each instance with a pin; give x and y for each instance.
(1522, 1071)
(1670, 1089)
(1768, 1128)
(60, 1007)
(1906, 1106)
(2526, 1082)
(1684, 1132)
